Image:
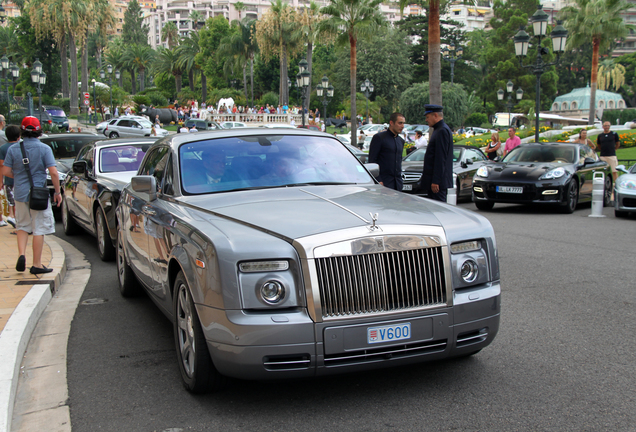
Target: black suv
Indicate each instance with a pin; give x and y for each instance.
(58, 116)
(16, 116)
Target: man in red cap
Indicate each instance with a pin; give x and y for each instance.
(37, 222)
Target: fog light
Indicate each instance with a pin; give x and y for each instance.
(272, 291)
(469, 271)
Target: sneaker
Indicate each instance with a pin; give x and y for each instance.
(11, 221)
(3, 223)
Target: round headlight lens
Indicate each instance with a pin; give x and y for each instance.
(272, 291)
(469, 271)
(482, 171)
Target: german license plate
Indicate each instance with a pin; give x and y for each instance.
(510, 189)
(389, 333)
(407, 187)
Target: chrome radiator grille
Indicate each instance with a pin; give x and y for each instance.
(381, 282)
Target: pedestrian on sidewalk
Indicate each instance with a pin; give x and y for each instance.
(36, 222)
(13, 136)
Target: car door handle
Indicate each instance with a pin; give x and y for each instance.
(148, 210)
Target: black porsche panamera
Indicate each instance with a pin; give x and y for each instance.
(560, 174)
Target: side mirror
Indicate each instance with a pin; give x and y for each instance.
(145, 184)
(469, 161)
(588, 160)
(79, 167)
(373, 168)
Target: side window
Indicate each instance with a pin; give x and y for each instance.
(473, 155)
(87, 154)
(590, 153)
(168, 179)
(155, 164)
(124, 123)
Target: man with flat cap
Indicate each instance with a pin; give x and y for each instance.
(437, 175)
(386, 150)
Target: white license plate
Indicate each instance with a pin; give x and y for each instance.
(510, 189)
(407, 187)
(389, 333)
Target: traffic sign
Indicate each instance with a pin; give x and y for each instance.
(86, 102)
(87, 96)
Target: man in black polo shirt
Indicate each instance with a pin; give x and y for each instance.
(609, 142)
(437, 175)
(386, 150)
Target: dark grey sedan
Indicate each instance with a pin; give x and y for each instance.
(276, 254)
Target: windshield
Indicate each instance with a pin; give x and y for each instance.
(416, 156)
(145, 123)
(67, 148)
(543, 153)
(122, 158)
(267, 161)
(56, 112)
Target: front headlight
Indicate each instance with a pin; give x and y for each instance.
(270, 284)
(553, 174)
(469, 271)
(627, 183)
(272, 291)
(482, 171)
(469, 263)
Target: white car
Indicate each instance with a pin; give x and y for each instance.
(278, 126)
(230, 125)
(374, 129)
(131, 127)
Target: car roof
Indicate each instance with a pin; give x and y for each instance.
(125, 141)
(69, 135)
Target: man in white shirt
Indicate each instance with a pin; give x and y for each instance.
(420, 141)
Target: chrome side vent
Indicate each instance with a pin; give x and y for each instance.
(288, 362)
(381, 282)
(385, 353)
(470, 338)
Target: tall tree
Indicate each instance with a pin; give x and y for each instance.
(170, 33)
(277, 37)
(599, 22)
(349, 20)
(209, 39)
(166, 63)
(239, 48)
(187, 52)
(134, 31)
(240, 7)
(309, 19)
(138, 58)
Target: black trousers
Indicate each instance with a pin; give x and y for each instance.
(439, 196)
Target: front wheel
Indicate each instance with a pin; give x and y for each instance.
(69, 225)
(484, 205)
(128, 284)
(104, 243)
(571, 197)
(607, 192)
(197, 371)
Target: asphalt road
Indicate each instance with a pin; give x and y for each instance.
(563, 360)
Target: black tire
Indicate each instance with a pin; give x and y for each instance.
(128, 284)
(69, 225)
(197, 371)
(607, 192)
(620, 214)
(113, 135)
(484, 205)
(571, 197)
(104, 242)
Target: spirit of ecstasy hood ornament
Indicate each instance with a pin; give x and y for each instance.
(374, 219)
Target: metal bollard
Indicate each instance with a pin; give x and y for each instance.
(597, 194)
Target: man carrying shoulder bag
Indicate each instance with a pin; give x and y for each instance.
(37, 158)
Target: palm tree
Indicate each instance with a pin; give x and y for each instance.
(170, 33)
(66, 21)
(309, 20)
(187, 58)
(349, 20)
(240, 48)
(166, 63)
(434, 57)
(139, 58)
(240, 7)
(276, 37)
(600, 22)
(114, 56)
(196, 18)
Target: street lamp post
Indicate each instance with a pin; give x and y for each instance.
(15, 73)
(302, 80)
(510, 104)
(367, 88)
(4, 62)
(102, 74)
(325, 91)
(559, 36)
(452, 55)
(38, 77)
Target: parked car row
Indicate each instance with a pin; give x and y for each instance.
(275, 253)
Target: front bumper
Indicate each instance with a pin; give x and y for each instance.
(624, 200)
(290, 345)
(531, 193)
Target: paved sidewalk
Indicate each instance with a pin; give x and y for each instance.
(23, 298)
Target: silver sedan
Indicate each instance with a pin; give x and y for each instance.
(625, 192)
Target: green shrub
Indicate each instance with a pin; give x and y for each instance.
(157, 99)
(268, 98)
(64, 103)
(623, 116)
(477, 120)
(141, 100)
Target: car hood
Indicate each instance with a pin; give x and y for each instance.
(419, 166)
(522, 170)
(297, 212)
